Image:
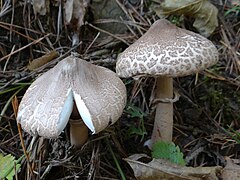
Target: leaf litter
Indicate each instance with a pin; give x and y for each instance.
(204, 13)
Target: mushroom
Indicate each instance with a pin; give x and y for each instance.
(166, 51)
(100, 98)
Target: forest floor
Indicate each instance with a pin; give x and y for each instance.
(206, 117)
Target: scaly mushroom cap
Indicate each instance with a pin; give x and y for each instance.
(167, 50)
(99, 94)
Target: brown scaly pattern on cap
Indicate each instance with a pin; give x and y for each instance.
(166, 50)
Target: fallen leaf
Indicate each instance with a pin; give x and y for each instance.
(36, 63)
(68, 10)
(75, 11)
(231, 170)
(40, 6)
(106, 11)
(204, 13)
(163, 169)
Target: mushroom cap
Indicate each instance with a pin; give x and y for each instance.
(166, 50)
(99, 94)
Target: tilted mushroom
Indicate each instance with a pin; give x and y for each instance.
(100, 98)
(166, 51)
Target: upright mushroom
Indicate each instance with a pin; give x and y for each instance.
(100, 98)
(166, 51)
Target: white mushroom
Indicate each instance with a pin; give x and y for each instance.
(166, 51)
(100, 97)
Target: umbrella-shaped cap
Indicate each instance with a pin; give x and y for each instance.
(166, 50)
(99, 94)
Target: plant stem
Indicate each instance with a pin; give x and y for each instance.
(116, 161)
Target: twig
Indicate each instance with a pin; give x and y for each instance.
(92, 43)
(12, 18)
(42, 29)
(5, 26)
(15, 109)
(5, 8)
(5, 66)
(20, 49)
(24, 149)
(108, 33)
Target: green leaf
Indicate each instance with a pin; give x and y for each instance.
(7, 165)
(135, 111)
(168, 150)
(137, 131)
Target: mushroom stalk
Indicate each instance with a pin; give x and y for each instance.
(163, 123)
(78, 132)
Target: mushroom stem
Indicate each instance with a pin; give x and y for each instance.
(78, 132)
(163, 123)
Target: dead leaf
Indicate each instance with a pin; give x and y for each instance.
(36, 63)
(163, 169)
(204, 13)
(15, 105)
(231, 170)
(109, 10)
(75, 11)
(68, 10)
(40, 6)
